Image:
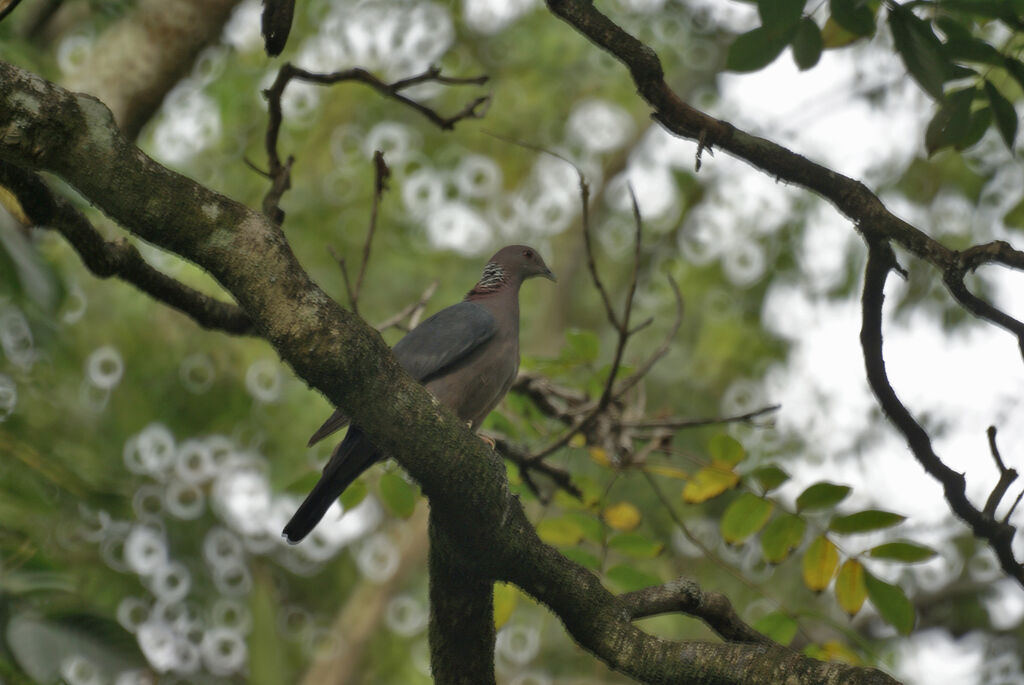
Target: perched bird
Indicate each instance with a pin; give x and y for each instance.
(466, 355)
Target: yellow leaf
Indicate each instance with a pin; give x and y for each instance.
(599, 455)
(10, 202)
(836, 651)
(622, 516)
(668, 472)
(851, 590)
(560, 532)
(819, 564)
(505, 599)
(710, 481)
(577, 441)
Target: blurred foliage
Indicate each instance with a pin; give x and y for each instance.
(146, 465)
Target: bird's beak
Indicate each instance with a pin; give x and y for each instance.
(548, 275)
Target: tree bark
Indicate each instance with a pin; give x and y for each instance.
(461, 616)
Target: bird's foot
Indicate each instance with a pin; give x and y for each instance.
(490, 441)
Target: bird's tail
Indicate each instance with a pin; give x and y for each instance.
(354, 455)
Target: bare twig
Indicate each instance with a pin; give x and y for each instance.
(521, 459)
(410, 312)
(120, 258)
(344, 276)
(676, 423)
(280, 173)
(6, 7)
(381, 174)
(1006, 476)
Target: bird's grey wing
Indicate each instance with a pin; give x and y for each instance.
(444, 339)
(337, 421)
(428, 349)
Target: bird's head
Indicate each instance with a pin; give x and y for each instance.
(521, 262)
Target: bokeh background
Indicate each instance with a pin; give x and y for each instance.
(147, 466)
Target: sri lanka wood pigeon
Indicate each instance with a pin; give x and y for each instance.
(467, 356)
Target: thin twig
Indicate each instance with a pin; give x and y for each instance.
(410, 312)
(561, 478)
(679, 423)
(344, 277)
(381, 174)
(1006, 476)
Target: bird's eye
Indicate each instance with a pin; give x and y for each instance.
(528, 254)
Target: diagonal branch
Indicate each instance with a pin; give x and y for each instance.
(106, 258)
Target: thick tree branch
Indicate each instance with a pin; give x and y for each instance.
(43, 127)
(106, 258)
(999, 534)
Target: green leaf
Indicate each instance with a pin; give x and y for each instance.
(782, 536)
(819, 563)
(778, 626)
(354, 494)
(951, 123)
(708, 483)
(582, 557)
(1016, 69)
(744, 516)
(769, 477)
(920, 49)
(588, 523)
(583, 346)
(627, 578)
(757, 49)
(972, 49)
(909, 552)
(891, 602)
(850, 589)
(807, 45)
(981, 119)
(635, 545)
(1004, 113)
(864, 521)
(853, 15)
(821, 496)
(725, 450)
(397, 494)
(560, 531)
(782, 13)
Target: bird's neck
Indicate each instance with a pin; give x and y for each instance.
(493, 280)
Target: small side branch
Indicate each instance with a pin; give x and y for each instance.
(106, 258)
(998, 534)
(1006, 476)
(684, 595)
(528, 466)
